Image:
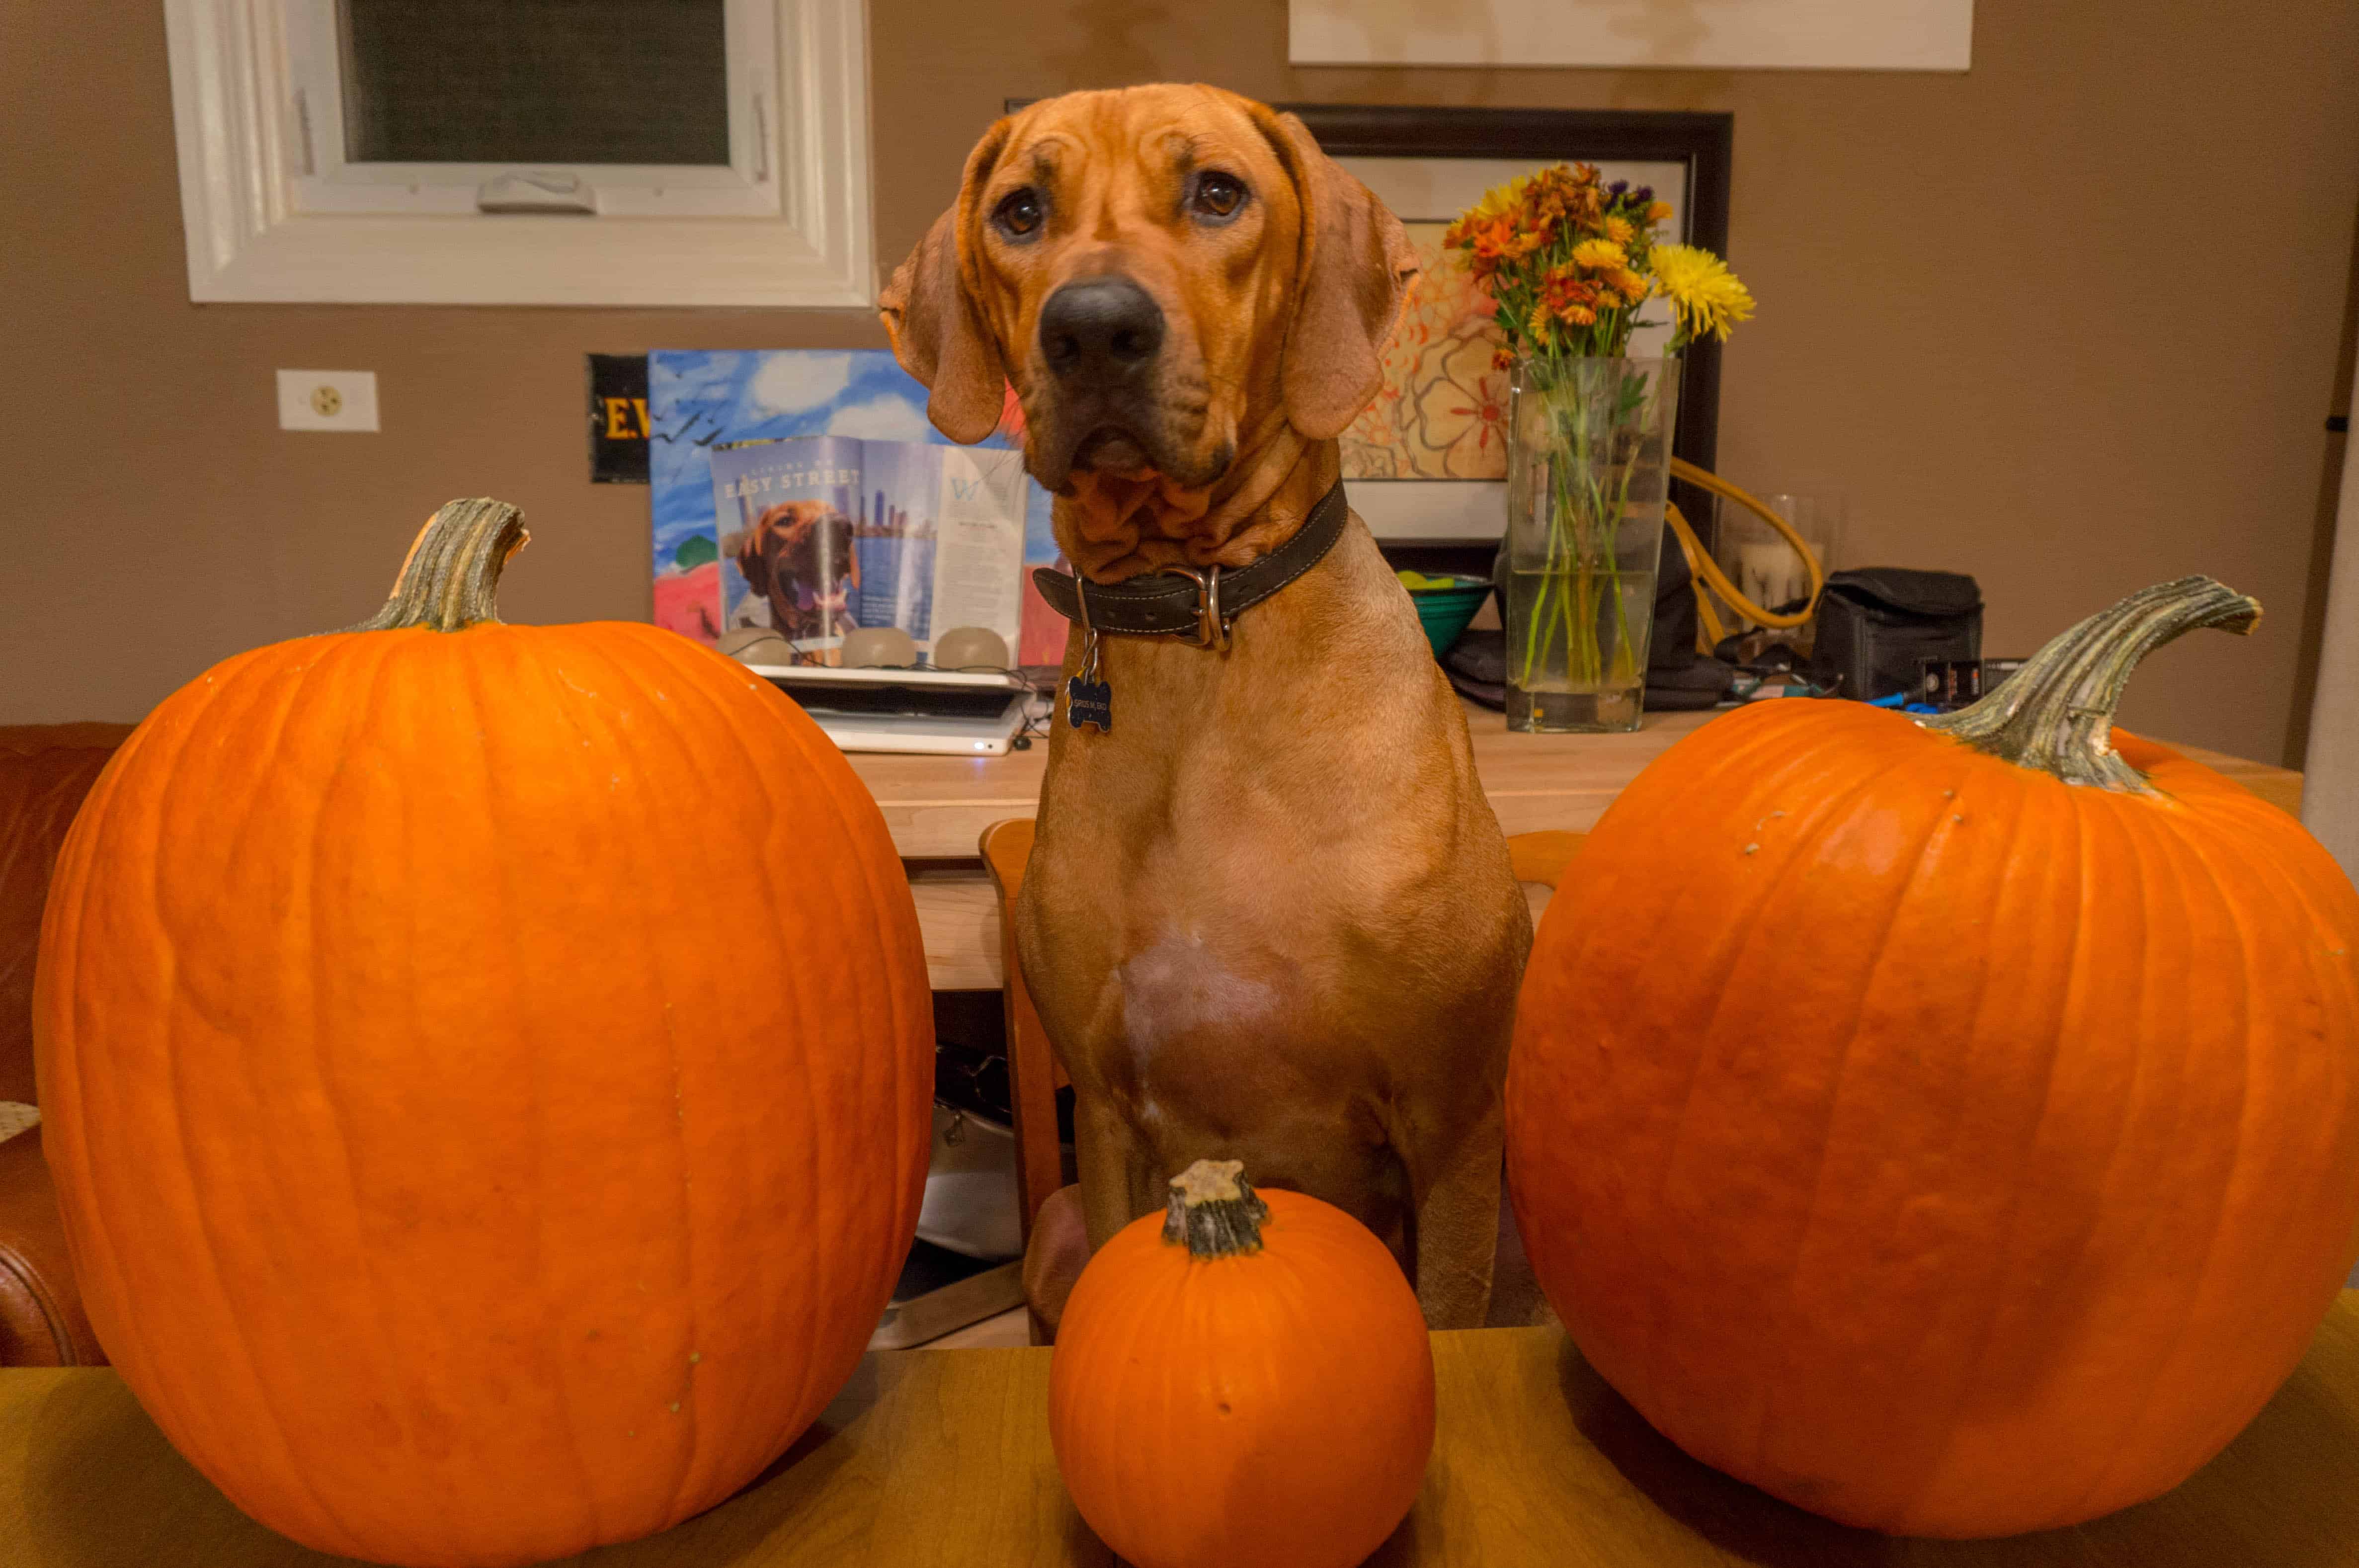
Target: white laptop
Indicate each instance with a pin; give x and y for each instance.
(958, 713)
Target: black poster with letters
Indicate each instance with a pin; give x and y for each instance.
(618, 419)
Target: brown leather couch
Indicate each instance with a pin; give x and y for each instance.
(45, 771)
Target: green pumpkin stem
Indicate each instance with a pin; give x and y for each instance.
(1214, 1210)
(2056, 714)
(453, 574)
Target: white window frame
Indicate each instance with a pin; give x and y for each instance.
(325, 182)
(272, 213)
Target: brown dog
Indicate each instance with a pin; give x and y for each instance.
(1269, 915)
(799, 555)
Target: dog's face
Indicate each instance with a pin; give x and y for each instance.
(1155, 269)
(1134, 252)
(779, 545)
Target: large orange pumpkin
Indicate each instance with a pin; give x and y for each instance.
(485, 1070)
(1952, 1127)
(1244, 1381)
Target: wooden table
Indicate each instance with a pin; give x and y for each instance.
(935, 1458)
(939, 806)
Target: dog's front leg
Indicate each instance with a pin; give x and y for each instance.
(1116, 1168)
(1454, 1190)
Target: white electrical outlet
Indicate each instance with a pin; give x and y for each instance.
(327, 400)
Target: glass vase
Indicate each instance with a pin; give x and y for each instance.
(1587, 461)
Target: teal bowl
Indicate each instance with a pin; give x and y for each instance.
(1445, 611)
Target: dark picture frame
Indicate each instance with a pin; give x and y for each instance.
(1704, 143)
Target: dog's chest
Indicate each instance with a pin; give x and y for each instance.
(1200, 1018)
(1179, 986)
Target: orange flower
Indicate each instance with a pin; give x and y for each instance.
(1659, 211)
(1490, 242)
(1557, 196)
(1587, 203)
(1544, 208)
(1569, 299)
(1499, 240)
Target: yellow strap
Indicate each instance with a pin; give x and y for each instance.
(1708, 573)
(1709, 629)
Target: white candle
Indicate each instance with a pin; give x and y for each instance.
(1769, 572)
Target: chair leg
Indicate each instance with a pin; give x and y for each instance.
(1032, 1088)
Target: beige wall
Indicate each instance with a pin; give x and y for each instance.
(2069, 322)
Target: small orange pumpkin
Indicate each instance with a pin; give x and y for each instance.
(1950, 1126)
(1242, 1382)
(485, 1071)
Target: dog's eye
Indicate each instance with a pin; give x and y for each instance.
(1218, 195)
(1018, 212)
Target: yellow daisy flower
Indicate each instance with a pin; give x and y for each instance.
(1703, 294)
(1502, 200)
(1600, 255)
(1619, 230)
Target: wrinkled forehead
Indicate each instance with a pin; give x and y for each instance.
(1136, 138)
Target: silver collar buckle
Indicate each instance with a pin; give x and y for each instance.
(1212, 627)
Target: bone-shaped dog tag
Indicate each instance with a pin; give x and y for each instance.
(1089, 705)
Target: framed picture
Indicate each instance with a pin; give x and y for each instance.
(1426, 462)
(1776, 35)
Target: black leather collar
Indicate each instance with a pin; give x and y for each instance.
(1198, 604)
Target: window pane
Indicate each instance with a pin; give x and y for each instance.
(535, 81)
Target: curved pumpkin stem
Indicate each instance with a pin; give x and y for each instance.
(453, 574)
(1214, 1210)
(2056, 714)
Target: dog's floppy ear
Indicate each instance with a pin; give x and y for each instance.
(1354, 269)
(745, 547)
(929, 313)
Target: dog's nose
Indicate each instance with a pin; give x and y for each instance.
(1101, 329)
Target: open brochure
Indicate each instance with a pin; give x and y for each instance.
(820, 535)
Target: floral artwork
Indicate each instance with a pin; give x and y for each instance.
(1442, 412)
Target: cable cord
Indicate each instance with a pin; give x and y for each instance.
(1709, 580)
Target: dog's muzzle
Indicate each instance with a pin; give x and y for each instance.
(1102, 340)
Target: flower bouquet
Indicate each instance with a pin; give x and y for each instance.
(1569, 263)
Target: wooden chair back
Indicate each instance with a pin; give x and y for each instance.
(1542, 857)
(1034, 1074)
